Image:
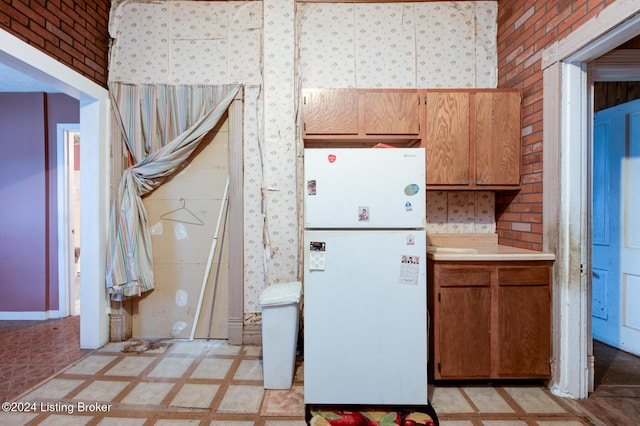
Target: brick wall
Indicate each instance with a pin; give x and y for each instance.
(525, 29)
(73, 32)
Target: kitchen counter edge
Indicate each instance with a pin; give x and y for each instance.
(491, 253)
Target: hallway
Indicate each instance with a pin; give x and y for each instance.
(176, 382)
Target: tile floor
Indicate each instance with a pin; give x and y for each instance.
(32, 351)
(179, 382)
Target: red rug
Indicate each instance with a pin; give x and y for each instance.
(361, 416)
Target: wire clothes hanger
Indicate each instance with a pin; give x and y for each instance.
(182, 215)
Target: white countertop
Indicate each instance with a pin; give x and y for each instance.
(487, 253)
(477, 247)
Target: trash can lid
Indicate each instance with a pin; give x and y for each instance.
(281, 294)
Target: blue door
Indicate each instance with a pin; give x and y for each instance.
(616, 227)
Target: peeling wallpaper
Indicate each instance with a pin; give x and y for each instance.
(186, 42)
(398, 45)
(274, 48)
(281, 148)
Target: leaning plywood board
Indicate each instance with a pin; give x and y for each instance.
(181, 246)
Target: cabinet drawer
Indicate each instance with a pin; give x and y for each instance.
(525, 275)
(463, 277)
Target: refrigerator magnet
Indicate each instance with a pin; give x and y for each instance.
(317, 246)
(311, 187)
(317, 258)
(363, 214)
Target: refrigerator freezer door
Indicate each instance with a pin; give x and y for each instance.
(365, 319)
(364, 188)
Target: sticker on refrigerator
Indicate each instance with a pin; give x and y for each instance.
(409, 270)
(411, 189)
(311, 187)
(411, 240)
(363, 214)
(317, 255)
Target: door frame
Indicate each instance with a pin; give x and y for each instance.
(64, 167)
(95, 114)
(236, 221)
(567, 125)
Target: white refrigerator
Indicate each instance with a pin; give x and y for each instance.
(365, 286)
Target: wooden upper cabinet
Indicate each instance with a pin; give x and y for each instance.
(498, 130)
(447, 138)
(361, 117)
(391, 113)
(329, 112)
(472, 138)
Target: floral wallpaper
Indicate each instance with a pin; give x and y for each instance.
(398, 45)
(281, 148)
(186, 42)
(461, 212)
(254, 215)
(275, 47)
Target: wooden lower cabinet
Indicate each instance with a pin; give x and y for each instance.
(467, 312)
(490, 320)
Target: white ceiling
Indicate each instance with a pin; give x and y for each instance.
(15, 81)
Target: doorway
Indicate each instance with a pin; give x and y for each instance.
(615, 79)
(68, 166)
(567, 140)
(94, 117)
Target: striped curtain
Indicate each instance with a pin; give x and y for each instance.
(161, 126)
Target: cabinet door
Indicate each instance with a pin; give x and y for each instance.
(392, 113)
(331, 112)
(463, 347)
(462, 322)
(524, 325)
(498, 138)
(447, 138)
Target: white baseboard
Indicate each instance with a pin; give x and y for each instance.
(37, 316)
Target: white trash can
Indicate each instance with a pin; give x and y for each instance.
(280, 310)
